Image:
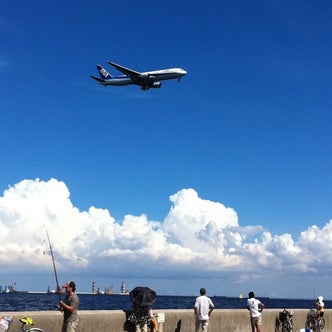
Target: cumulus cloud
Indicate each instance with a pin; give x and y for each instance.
(196, 235)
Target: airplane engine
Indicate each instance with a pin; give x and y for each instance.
(146, 75)
(156, 85)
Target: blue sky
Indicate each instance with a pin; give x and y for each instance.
(247, 130)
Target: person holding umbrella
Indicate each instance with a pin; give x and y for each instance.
(142, 316)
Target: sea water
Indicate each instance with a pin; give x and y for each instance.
(44, 302)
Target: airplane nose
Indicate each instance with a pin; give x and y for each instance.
(184, 72)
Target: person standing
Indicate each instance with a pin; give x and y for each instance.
(141, 317)
(69, 308)
(320, 306)
(202, 309)
(255, 307)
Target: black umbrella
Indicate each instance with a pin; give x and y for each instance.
(143, 296)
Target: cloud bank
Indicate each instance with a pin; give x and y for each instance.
(198, 238)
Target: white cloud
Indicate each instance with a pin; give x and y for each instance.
(198, 236)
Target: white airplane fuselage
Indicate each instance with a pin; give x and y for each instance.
(153, 76)
(145, 80)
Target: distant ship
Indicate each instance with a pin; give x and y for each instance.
(52, 291)
(240, 296)
(11, 289)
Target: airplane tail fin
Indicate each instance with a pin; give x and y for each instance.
(104, 74)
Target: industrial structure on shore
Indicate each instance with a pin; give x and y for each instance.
(109, 290)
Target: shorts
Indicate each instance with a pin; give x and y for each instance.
(70, 326)
(256, 321)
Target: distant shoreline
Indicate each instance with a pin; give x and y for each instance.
(41, 292)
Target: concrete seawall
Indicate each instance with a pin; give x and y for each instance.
(222, 320)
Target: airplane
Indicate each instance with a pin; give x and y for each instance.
(145, 80)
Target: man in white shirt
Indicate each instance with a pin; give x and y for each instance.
(255, 307)
(203, 308)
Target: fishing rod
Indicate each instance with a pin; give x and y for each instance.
(55, 274)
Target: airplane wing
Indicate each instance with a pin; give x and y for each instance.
(132, 73)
